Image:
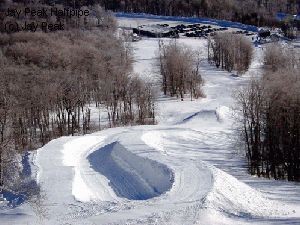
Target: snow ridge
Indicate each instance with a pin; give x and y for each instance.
(236, 198)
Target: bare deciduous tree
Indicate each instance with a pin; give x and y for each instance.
(230, 52)
(179, 68)
(270, 117)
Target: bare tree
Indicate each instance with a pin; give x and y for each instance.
(230, 52)
(180, 70)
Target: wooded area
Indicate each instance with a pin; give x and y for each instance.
(270, 121)
(180, 70)
(98, 18)
(49, 80)
(230, 52)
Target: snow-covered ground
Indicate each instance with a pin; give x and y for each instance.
(185, 170)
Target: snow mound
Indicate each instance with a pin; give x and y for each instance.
(233, 197)
(223, 113)
(215, 116)
(203, 115)
(131, 176)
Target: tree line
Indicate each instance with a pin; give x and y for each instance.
(255, 12)
(270, 116)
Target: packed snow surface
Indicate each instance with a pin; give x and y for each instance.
(185, 170)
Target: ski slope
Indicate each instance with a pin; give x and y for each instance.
(185, 170)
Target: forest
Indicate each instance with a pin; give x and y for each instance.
(270, 121)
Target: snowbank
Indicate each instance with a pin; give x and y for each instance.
(202, 115)
(236, 198)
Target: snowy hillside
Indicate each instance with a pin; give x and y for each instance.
(185, 170)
